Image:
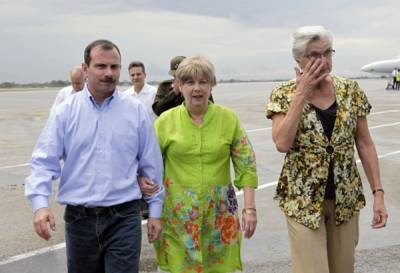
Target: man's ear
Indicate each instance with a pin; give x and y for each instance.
(85, 68)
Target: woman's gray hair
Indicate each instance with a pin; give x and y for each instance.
(304, 35)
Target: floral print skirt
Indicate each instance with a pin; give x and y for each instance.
(201, 230)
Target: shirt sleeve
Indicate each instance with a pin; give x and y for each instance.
(45, 162)
(360, 99)
(243, 159)
(150, 163)
(278, 101)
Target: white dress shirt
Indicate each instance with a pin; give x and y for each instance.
(145, 96)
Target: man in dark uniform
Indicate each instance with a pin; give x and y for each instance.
(168, 95)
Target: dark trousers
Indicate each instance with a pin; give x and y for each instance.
(103, 239)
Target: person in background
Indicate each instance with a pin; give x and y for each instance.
(106, 139)
(77, 83)
(317, 119)
(168, 94)
(145, 93)
(395, 71)
(198, 140)
(140, 89)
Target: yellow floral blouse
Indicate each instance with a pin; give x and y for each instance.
(302, 183)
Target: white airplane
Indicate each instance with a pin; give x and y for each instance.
(383, 67)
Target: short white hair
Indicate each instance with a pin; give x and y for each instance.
(304, 35)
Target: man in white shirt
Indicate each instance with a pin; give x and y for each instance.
(140, 89)
(77, 79)
(145, 93)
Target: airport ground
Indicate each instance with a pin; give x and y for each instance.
(23, 113)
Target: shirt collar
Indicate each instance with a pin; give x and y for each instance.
(106, 103)
(142, 92)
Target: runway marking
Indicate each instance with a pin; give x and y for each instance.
(384, 112)
(385, 125)
(32, 253)
(14, 166)
(257, 130)
(389, 154)
(62, 245)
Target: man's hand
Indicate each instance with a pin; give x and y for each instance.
(154, 228)
(42, 218)
(147, 187)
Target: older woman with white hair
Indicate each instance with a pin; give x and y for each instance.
(316, 120)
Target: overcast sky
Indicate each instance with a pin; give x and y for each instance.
(42, 39)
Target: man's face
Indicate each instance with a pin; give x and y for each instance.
(137, 76)
(77, 81)
(103, 71)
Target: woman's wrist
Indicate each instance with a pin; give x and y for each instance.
(300, 96)
(249, 210)
(378, 191)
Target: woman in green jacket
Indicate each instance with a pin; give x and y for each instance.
(198, 139)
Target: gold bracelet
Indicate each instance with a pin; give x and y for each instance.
(252, 210)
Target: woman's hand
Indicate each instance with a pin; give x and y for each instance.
(311, 75)
(249, 222)
(380, 214)
(147, 187)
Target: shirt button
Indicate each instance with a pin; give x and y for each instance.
(329, 149)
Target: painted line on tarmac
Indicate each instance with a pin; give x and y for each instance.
(257, 130)
(389, 154)
(14, 166)
(385, 125)
(384, 112)
(62, 245)
(32, 253)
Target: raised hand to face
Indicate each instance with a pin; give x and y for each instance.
(312, 74)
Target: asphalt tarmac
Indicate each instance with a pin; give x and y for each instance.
(24, 113)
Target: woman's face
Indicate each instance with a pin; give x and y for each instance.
(196, 92)
(319, 49)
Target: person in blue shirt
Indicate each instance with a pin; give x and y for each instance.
(106, 140)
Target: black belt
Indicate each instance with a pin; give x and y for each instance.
(101, 210)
